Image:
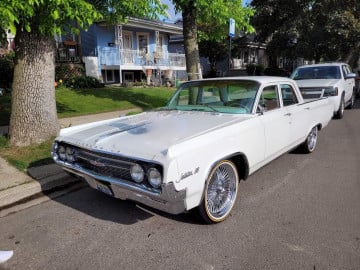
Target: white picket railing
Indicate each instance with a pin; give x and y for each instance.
(109, 56)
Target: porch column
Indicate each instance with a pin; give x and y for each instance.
(148, 76)
(119, 41)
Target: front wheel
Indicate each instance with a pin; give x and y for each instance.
(340, 112)
(220, 192)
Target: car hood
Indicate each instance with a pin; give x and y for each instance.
(317, 82)
(148, 134)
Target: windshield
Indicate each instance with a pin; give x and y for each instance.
(232, 96)
(316, 72)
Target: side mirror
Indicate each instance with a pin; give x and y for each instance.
(350, 76)
(260, 109)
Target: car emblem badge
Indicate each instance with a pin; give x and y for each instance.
(97, 163)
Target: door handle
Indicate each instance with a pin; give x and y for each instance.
(307, 108)
(287, 114)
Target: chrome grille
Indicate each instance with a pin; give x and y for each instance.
(311, 92)
(102, 164)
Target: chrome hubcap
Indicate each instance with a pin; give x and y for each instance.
(221, 192)
(342, 106)
(312, 138)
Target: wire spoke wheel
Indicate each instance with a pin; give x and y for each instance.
(312, 139)
(220, 192)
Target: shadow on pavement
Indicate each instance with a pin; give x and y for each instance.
(102, 206)
(357, 104)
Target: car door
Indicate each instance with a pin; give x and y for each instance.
(275, 120)
(348, 83)
(298, 114)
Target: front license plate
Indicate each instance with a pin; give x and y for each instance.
(104, 188)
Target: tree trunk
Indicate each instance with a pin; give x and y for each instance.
(190, 41)
(33, 108)
(353, 56)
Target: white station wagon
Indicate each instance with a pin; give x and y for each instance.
(193, 152)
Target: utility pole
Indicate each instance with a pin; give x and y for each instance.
(231, 35)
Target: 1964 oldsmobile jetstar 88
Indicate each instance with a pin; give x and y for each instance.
(193, 152)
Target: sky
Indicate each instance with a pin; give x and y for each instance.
(173, 16)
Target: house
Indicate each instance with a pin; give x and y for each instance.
(138, 50)
(245, 51)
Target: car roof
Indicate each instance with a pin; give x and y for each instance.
(260, 79)
(324, 64)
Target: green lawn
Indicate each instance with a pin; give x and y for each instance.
(87, 101)
(72, 102)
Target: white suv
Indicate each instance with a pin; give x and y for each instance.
(333, 80)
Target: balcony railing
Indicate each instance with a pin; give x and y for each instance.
(109, 56)
(67, 51)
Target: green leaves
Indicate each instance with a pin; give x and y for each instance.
(323, 30)
(55, 16)
(213, 17)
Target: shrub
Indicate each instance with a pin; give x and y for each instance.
(3, 141)
(67, 71)
(254, 69)
(6, 70)
(83, 82)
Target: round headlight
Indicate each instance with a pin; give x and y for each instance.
(62, 152)
(137, 173)
(54, 150)
(69, 154)
(154, 177)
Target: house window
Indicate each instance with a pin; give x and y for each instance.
(161, 46)
(128, 76)
(127, 40)
(109, 76)
(143, 43)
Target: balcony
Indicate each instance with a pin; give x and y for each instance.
(67, 52)
(134, 60)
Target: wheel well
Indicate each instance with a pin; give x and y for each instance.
(241, 164)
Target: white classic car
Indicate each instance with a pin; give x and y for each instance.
(193, 152)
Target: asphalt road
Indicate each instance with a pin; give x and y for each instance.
(299, 212)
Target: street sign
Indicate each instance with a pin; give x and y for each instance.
(232, 27)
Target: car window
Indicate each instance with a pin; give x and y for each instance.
(344, 71)
(288, 95)
(233, 96)
(269, 99)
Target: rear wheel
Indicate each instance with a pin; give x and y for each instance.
(352, 101)
(310, 143)
(220, 192)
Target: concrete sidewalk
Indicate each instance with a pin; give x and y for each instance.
(17, 187)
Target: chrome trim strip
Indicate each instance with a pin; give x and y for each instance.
(119, 155)
(98, 156)
(168, 199)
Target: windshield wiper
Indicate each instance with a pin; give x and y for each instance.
(165, 109)
(209, 106)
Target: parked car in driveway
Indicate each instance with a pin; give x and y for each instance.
(193, 152)
(333, 80)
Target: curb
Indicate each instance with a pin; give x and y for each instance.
(47, 179)
(43, 182)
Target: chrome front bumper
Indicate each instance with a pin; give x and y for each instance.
(167, 199)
